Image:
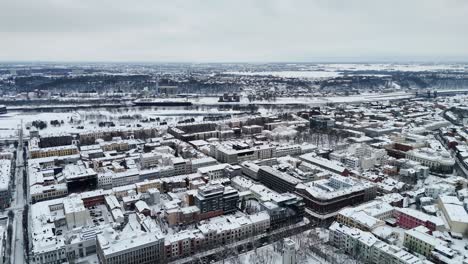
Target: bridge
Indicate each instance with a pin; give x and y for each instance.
(433, 93)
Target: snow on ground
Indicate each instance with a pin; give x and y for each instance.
(391, 67)
(291, 74)
(269, 254)
(336, 70)
(312, 101)
(89, 118)
(9, 122)
(307, 243)
(281, 132)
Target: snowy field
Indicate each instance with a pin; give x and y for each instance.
(313, 101)
(390, 67)
(83, 120)
(321, 71)
(292, 74)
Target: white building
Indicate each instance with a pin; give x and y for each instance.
(436, 160)
(76, 214)
(288, 150)
(436, 190)
(213, 172)
(202, 162)
(455, 214)
(360, 156)
(289, 251)
(148, 160)
(133, 246)
(365, 247)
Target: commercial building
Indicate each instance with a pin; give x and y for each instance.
(76, 215)
(216, 199)
(329, 165)
(79, 178)
(455, 213)
(276, 180)
(438, 161)
(134, 248)
(47, 192)
(250, 169)
(326, 196)
(321, 122)
(253, 129)
(54, 140)
(367, 216)
(283, 208)
(380, 131)
(360, 156)
(46, 247)
(239, 152)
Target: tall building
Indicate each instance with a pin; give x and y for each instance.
(76, 214)
(289, 251)
(215, 199)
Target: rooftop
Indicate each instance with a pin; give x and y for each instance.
(5, 174)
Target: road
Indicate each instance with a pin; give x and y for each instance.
(219, 251)
(17, 206)
(459, 166)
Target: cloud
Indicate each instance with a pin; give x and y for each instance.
(241, 30)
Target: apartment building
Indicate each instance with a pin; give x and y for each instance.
(67, 150)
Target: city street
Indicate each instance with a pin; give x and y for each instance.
(17, 207)
(274, 235)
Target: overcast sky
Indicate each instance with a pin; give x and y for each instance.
(233, 30)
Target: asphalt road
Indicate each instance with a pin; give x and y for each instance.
(17, 207)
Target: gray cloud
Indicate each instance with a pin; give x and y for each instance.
(241, 30)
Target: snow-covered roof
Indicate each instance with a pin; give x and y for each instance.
(5, 174)
(454, 208)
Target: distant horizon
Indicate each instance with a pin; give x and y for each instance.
(318, 61)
